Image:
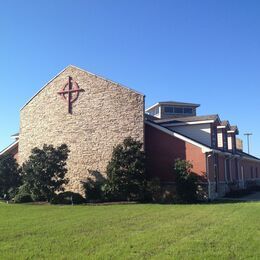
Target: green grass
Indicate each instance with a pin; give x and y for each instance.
(210, 231)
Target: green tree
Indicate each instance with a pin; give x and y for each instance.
(126, 171)
(10, 177)
(186, 181)
(44, 172)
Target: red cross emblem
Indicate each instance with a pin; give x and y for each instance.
(70, 93)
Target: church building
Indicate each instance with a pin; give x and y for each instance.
(92, 115)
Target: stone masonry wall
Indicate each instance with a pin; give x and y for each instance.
(104, 114)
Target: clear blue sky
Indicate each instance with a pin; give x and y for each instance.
(205, 52)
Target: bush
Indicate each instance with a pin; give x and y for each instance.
(44, 172)
(23, 195)
(10, 178)
(67, 197)
(22, 198)
(186, 181)
(153, 190)
(94, 186)
(126, 172)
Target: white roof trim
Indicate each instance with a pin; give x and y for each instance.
(9, 147)
(204, 148)
(172, 103)
(151, 107)
(42, 88)
(189, 123)
(221, 126)
(139, 93)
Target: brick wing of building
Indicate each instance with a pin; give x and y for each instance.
(92, 115)
(173, 130)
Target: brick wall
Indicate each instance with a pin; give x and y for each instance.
(162, 150)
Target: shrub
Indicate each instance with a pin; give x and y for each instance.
(67, 197)
(186, 181)
(44, 172)
(94, 186)
(23, 195)
(10, 178)
(126, 172)
(153, 190)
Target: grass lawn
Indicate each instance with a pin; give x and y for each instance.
(210, 231)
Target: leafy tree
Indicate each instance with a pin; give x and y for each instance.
(126, 172)
(10, 177)
(186, 187)
(44, 172)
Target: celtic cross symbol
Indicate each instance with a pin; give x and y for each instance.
(70, 92)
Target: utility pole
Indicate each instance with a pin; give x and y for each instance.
(248, 143)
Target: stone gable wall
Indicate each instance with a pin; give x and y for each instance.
(104, 114)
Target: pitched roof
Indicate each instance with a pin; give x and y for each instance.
(178, 135)
(187, 119)
(194, 141)
(234, 128)
(9, 148)
(247, 155)
(150, 117)
(15, 136)
(225, 123)
(72, 66)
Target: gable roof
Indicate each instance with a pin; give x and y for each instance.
(235, 129)
(205, 148)
(249, 156)
(178, 135)
(225, 123)
(9, 148)
(75, 67)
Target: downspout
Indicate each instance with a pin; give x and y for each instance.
(225, 164)
(230, 166)
(207, 166)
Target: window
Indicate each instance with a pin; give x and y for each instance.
(168, 110)
(155, 111)
(230, 143)
(187, 110)
(178, 110)
(256, 172)
(252, 173)
(220, 139)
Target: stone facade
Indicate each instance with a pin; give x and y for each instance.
(102, 117)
